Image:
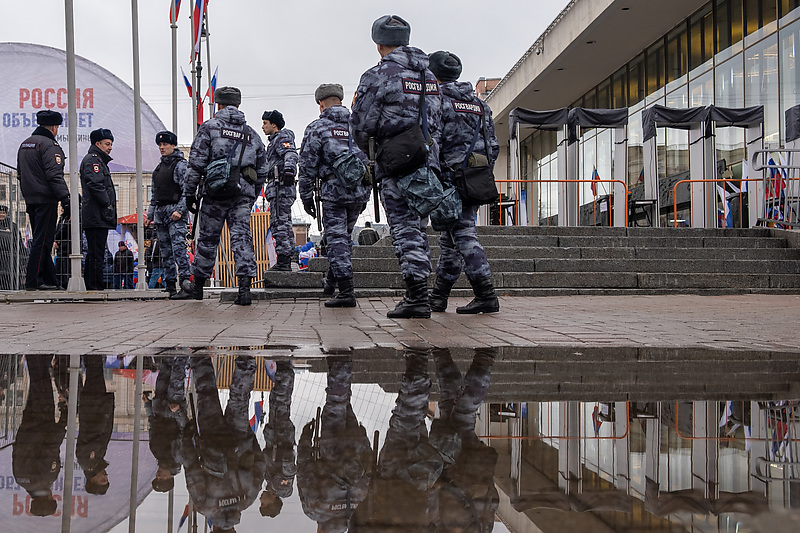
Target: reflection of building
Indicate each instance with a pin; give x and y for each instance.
(644, 467)
(618, 54)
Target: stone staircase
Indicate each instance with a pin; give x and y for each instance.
(542, 261)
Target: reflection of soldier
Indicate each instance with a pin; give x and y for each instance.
(223, 465)
(166, 413)
(464, 497)
(408, 466)
(35, 458)
(333, 480)
(279, 455)
(10, 250)
(96, 421)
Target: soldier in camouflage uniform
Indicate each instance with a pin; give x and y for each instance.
(279, 442)
(216, 139)
(464, 498)
(324, 140)
(167, 417)
(462, 112)
(281, 191)
(168, 211)
(333, 476)
(386, 103)
(223, 463)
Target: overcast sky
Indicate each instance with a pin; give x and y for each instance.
(277, 53)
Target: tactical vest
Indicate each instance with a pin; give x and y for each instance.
(165, 190)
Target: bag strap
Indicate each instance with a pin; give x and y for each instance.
(423, 108)
(244, 143)
(473, 143)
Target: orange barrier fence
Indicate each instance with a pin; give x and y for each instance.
(259, 225)
(718, 180)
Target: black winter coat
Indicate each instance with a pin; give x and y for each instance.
(99, 198)
(40, 161)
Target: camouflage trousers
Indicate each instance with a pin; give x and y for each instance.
(459, 399)
(408, 233)
(213, 424)
(460, 250)
(213, 215)
(171, 380)
(174, 254)
(281, 225)
(339, 220)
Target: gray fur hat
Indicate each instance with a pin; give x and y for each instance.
(228, 96)
(445, 66)
(391, 30)
(326, 90)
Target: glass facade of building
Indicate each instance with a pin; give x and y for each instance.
(730, 53)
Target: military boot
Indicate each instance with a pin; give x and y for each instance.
(345, 298)
(197, 288)
(244, 291)
(485, 300)
(170, 288)
(415, 303)
(284, 264)
(439, 294)
(185, 293)
(329, 283)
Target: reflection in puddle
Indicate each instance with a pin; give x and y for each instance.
(392, 441)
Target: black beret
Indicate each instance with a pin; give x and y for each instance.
(47, 117)
(391, 30)
(445, 66)
(228, 96)
(275, 117)
(326, 90)
(166, 137)
(99, 135)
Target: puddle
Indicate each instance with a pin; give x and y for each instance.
(421, 439)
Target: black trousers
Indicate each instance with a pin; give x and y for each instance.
(95, 258)
(40, 269)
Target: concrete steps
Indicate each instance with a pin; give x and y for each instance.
(586, 260)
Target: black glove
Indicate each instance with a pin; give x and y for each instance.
(288, 177)
(65, 206)
(308, 207)
(308, 429)
(191, 204)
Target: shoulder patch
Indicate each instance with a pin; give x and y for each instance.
(412, 86)
(96, 168)
(340, 134)
(467, 107)
(287, 144)
(27, 146)
(58, 159)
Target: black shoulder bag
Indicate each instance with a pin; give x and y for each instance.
(475, 183)
(407, 151)
(222, 178)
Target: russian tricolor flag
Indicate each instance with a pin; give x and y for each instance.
(184, 516)
(255, 420)
(213, 87)
(199, 12)
(174, 9)
(187, 82)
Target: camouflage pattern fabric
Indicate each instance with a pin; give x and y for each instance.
(281, 155)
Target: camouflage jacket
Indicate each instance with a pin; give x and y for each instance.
(387, 101)
(215, 140)
(461, 113)
(324, 140)
(281, 154)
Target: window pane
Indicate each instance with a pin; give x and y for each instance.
(655, 67)
(737, 29)
(790, 70)
(729, 87)
(677, 63)
(636, 80)
(723, 26)
(701, 90)
(701, 37)
(619, 83)
(787, 6)
(604, 95)
(761, 84)
(590, 100)
(769, 11)
(751, 18)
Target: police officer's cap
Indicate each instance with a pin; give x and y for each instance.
(391, 30)
(3, 209)
(163, 485)
(275, 117)
(43, 506)
(98, 135)
(47, 117)
(166, 137)
(445, 66)
(228, 96)
(326, 90)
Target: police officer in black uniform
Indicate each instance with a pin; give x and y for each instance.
(99, 205)
(40, 161)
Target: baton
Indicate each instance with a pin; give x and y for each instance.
(375, 199)
(277, 193)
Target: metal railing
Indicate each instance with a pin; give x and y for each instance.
(594, 197)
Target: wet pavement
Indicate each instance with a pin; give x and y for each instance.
(647, 413)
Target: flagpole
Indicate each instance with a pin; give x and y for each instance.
(194, 92)
(76, 283)
(208, 59)
(174, 29)
(137, 128)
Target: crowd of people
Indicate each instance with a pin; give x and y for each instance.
(412, 131)
(422, 474)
